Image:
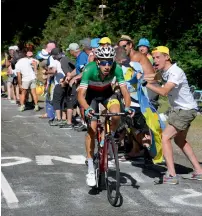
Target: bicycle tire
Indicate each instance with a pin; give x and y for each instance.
(96, 162)
(113, 188)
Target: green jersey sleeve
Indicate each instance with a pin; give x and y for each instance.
(119, 75)
(85, 79)
(86, 76)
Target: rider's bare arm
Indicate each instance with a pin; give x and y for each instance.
(81, 98)
(126, 95)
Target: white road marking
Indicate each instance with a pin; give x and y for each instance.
(128, 200)
(31, 116)
(80, 158)
(180, 199)
(137, 177)
(19, 160)
(7, 191)
(47, 159)
(8, 121)
(35, 123)
(44, 160)
(68, 135)
(153, 198)
(56, 173)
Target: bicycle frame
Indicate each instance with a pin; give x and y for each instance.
(103, 150)
(101, 159)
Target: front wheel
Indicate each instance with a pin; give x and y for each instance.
(112, 172)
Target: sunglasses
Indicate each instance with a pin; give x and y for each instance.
(124, 46)
(106, 63)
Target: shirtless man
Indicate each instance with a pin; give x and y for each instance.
(135, 56)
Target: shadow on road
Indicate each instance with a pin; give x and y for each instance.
(124, 177)
(156, 171)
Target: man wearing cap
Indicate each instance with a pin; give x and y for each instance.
(81, 57)
(105, 41)
(81, 61)
(183, 112)
(143, 47)
(47, 63)
(86, 46)
(93, 44)
(127, 43)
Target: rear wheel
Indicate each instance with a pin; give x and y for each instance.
(112, 172)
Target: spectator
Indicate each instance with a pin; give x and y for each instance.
(34, 62)
(127, 43)
(44, 61)
(143, 47)
(183, 112)
(81, 57)
(86, 46)
(55, 70)
(12, 88)
(64, 96)
(105, 41)
(94, 44)
(26, 79)
(81, 61)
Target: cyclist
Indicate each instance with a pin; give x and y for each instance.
(96, 88)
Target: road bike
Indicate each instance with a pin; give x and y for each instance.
(106, 158)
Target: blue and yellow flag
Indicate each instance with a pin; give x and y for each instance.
(152, 117)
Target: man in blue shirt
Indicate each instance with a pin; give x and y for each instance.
(81, 57)
(81, 61)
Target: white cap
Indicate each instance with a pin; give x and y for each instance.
(11, 48)
(15, 47)
(73, 47)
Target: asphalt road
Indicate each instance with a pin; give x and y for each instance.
(43, 174)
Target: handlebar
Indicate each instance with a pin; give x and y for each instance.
(109, 114)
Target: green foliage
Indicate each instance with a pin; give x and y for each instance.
(163, 23)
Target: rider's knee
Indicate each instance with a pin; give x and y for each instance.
(116, 118)
(91, 132)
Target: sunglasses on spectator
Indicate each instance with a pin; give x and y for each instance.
(106, 63)
(124, 46)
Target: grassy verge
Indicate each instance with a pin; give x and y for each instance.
(195, 135)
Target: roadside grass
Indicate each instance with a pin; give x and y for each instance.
(195, 135)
